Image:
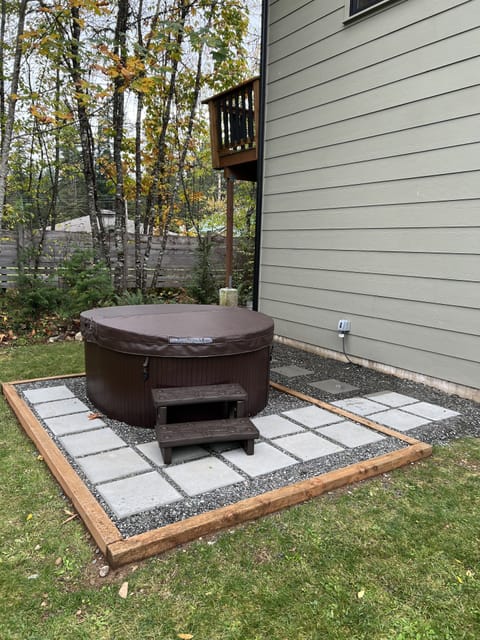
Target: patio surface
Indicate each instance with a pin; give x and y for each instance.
(123, 468)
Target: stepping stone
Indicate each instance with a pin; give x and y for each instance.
(265, 460)
(359, 406)
(274, 426)
(84, 444)
(201, 476)
(312, 416)
(350, 434)
(308, 446)
(74, 423)
(60, 408)
(399, 420)
(47, 394)
(391, 398)
(134, 495)
(291, 371)
(333, 386)
(430, 411)
(151, 450)
(111, 465)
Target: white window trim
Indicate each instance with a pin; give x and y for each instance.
(359, 14)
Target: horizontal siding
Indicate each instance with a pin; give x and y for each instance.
(372, 182)
(458, 267)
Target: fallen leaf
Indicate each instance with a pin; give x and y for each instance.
(361, 594)
(123, 592)
(58, 562)
(94, 416)
(185, 636)
(29, 517)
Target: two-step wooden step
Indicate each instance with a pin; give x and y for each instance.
(234, 428)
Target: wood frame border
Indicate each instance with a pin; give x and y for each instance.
(120, 551)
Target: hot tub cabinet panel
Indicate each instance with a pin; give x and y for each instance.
(131, 350)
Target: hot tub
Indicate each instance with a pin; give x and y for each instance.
(133, 349)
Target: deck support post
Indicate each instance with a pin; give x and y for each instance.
(229, 231)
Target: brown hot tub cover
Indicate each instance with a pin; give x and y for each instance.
(177, 330)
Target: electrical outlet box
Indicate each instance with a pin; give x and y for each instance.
(344, 326)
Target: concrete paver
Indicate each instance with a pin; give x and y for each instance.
(200, 476)
(391, 399)
(430, 411)
(111, 465)
(265, 460)
(137, 494)
(359, 406)
(74, 423)
(333, 386)
(308, 446)
(350, 434)
(291, 371)
(312, 416)
(60, 407)
(151, 450)
(399, 420)
(84, 444)
(274, 426)
(47, 394)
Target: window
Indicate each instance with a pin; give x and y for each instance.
(360, 5)
(355, 7)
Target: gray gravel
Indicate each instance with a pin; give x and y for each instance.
(367, 381)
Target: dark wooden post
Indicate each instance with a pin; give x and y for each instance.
(229, 232)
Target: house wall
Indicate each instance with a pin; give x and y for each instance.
(371, 194)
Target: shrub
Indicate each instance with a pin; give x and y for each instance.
(87, 283)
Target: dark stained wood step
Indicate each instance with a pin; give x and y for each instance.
(231, 393)
(203, 432)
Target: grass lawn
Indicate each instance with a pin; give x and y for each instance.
(397, 557)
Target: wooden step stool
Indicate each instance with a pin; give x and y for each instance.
(235, 427)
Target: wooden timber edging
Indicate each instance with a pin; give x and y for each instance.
(120, 551)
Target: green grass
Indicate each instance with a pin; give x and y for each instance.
(395, 558)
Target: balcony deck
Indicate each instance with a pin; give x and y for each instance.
(233, 129)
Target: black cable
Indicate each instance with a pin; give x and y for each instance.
(342, 335)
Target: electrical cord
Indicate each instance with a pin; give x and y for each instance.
(342, 336)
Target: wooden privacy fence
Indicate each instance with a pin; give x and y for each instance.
(178, 261)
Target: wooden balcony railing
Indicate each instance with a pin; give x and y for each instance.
(233, 129)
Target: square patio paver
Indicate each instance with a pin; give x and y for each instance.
(48, 394)
(359, 406)
(84, 444)
(291, 371)
(399, 420)
(391, 399)
(265, 460)
(274, 426)
(308, 446)
(73, 423)
(151, 450)
(140, 493)
(431, 411)
(111, 465)
(350, 434)
(60, 408)
(313, 417)
(333, 386)
(200, 476)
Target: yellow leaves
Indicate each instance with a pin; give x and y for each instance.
(29, 517)
(144, 85)
(361, 594)
(184, 636)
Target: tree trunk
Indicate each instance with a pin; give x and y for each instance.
(12, 101)
(119, 275)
